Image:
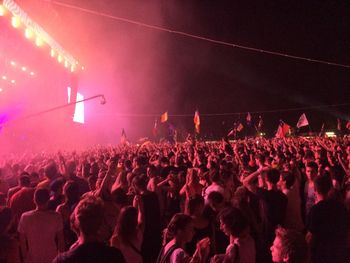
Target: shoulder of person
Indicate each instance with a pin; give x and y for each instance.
(178, 255)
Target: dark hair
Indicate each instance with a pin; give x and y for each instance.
(234, 219)
(89, 215)
(127, 223)
(216, 197)
(51, 170)
(193, 203)
(71, 191)
(260, 158)
(119, 196)
(293, 245)
(140, 181)
(312, 165)
(323, 184)
(214, 175)
(41, 196)
(57, 184)
(178, 222)
(273, 176)
(24, 180)
(289, 178)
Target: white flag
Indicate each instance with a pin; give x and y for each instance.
(302, 121)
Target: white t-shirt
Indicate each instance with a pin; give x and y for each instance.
(40, 229)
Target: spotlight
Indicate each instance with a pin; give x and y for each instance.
(52, 52)
(38, 41)
(0, 89)
(13, 81)
(2, 10)
(13, 63)
(71, 68)
(24, 69)
(59, 58)
(15, 21)
(28, 33)
(31, 73)
(66, 64)
(4, 77)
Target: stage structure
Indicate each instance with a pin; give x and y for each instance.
(36, 73)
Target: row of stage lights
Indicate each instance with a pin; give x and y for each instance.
(13, 81)
(29, 34)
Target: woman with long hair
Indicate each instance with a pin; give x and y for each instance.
(179, 232)
(128, 235)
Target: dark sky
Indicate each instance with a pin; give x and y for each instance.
(142, 70)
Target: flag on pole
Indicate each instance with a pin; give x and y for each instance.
(348, 125)
(123, 137)
(164, 117)
(322, 130)
(240, 127)
(197, 121)
(249, 119)
(282, 130)
(302, 121)
(155, 128)
(338, 124)
(260, 124)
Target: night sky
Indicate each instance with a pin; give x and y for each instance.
(146, 71)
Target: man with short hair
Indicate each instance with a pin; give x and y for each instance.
(41, 231)
(88, 219)
(327, 225)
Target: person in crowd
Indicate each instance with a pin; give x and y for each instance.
(192, 186)
(273, 203)
(289, 246)
(41, 231)
(309, 196)
(148, 206)
(128, 234)
(176, 235)
(290, 186)
(88, 219)
(9, 246)
(23, 181)
(328, 225)
(71, 194)
(242, 246)
(216, 204)
(215, 185)
(202, 226)
(51, 173)
(21, 202)
(56, 193)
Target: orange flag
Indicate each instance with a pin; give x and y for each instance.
(196, 121)
(164, 117)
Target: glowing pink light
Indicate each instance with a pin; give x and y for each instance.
(31, 73)
(24, 68)
(13, 81)
(0, 89)
(79, 109)
(4, 77)
(69, 90)
(13, 63)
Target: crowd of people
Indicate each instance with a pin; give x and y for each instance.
(249, 200)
